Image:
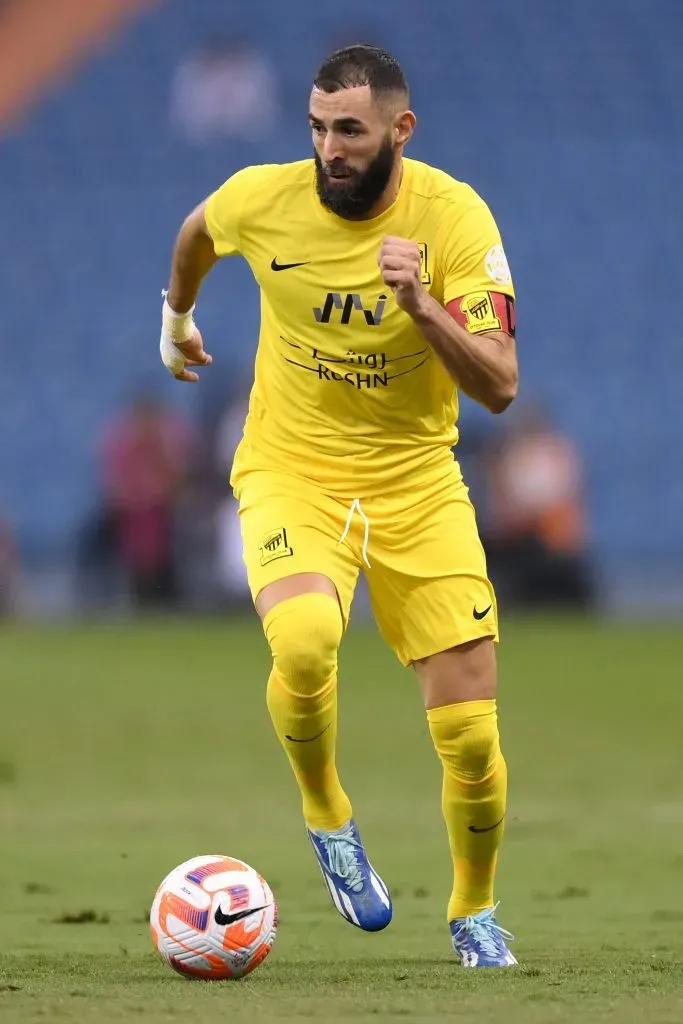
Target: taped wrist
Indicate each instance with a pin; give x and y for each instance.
(175, 328)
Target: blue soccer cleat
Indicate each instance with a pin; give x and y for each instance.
(479, 941)
(357, 891)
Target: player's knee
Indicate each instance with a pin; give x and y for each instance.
(466, 738)
(479, 748)
(304, 634)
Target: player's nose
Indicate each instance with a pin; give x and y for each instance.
(333, 148)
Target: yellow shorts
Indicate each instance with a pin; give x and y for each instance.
(421, 554)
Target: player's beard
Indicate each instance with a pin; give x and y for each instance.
(355, 196)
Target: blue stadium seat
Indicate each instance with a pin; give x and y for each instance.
(562, 115)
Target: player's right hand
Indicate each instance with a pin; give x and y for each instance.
(184, 354)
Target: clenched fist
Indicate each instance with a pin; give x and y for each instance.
(401, 266)
(181, 344)
(193, 354)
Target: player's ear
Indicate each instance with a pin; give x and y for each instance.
(404, 125)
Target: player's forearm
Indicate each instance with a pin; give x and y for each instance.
(481, 365)
(193, 258)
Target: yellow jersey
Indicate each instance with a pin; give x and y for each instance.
(347, 392)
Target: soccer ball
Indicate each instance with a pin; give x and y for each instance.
(214, 917)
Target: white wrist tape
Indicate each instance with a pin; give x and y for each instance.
(175, 327)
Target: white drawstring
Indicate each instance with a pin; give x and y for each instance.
(356, 507)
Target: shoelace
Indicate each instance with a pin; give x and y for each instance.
(340, 848)
(485, 931)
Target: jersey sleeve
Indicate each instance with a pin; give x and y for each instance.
(471, 252)
(226, 208)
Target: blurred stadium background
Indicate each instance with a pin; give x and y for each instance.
(115, 122)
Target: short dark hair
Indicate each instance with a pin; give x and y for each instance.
(361, 64)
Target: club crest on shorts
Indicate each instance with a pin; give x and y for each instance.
(274, 545)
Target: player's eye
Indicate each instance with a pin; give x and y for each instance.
(351, 132)
(318, 129)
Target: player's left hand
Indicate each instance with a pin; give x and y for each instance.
(401, 266)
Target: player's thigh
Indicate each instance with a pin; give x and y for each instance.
(462, 673)
(293, 586)
(420, 618)
(291, 543)
(431, 593)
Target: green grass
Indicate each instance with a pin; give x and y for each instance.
(125, 750)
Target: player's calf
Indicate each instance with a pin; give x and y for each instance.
(304, 633)
(474, 794)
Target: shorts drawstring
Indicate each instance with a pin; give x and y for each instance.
(356, 507)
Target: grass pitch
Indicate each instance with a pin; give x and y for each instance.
(127, 749)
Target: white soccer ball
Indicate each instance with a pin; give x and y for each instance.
(214, 917)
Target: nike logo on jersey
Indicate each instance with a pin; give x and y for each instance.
(481, 615)
(239, 915)
(286, 266)
(473, 828)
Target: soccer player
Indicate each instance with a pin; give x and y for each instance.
(384, 290)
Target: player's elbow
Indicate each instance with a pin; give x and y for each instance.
(503, 394)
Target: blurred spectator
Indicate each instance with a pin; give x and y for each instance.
(536, 536)
(224, 90)
(9, 571)
(145, 462)
(230, 565)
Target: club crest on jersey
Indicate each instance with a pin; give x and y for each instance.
(479, 312)
(426, 276)
(274, 545)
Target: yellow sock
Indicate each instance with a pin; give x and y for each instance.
(304, 634)
(474, 795)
